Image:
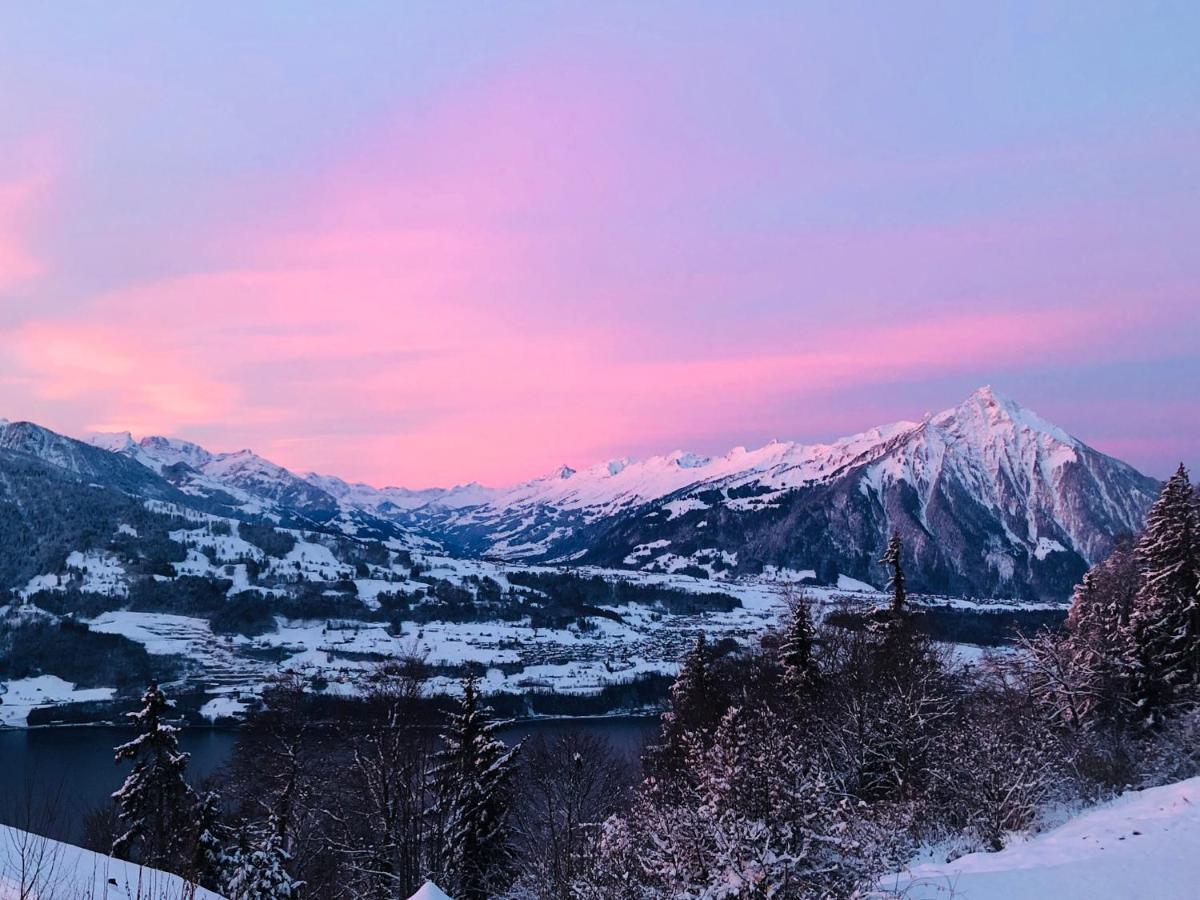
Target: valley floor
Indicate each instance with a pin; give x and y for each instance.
(515, 656)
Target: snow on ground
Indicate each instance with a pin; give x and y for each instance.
(222, 708)
(162, 634)
(315, 562)
(96, 572)
(1045, 547)
(341, 655)
(215, 656)
(1144, 845)
(37, 868)
(18, 697)
(846, 583)
(430, 891)
(226, 546)
(679, 507)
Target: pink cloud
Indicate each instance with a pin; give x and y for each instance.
(24, 178)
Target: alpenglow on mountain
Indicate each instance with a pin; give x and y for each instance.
(989, 499)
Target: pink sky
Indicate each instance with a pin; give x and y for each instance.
(584, 250)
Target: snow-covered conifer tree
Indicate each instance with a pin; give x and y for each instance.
(155, 801)
(1165, 622)
(211, 860)
(758, 818)
(472, 781)
(697, 703)
(796, 653)
(1097, 647)
(260, 871)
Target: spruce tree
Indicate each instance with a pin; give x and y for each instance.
(891, 559)
(1097, 646)
(211, 860)
(155, 801)
(796, 653)
(902, 648)
(694, 695)
(696, 705)
(1165, 622)
(260, 872)
(472, 782)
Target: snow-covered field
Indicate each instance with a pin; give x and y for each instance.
(514, 656)
(18, 697)
(1144, 845)
(37, 868)
(517, 656)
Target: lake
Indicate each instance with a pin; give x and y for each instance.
(50, 778)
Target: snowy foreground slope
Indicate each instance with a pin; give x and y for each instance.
(1144, 844)
(37, 868)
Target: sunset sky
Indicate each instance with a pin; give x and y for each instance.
(431, 243)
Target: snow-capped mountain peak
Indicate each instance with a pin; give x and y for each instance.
(113, 441)
(987, 414)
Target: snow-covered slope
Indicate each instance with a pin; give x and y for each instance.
(80, 459)
(1145, 845)
(989, 497)
(246, 483)
(37, 868)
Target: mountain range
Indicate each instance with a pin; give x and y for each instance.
(990, 500)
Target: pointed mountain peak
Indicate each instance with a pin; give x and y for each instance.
(988, 412)
(564, 471)
(989, 398)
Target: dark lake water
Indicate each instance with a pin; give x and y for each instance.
(51, 777)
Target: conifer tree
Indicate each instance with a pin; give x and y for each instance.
(694, 694)
(472, 781)
(155, 801)
(896, 588)
(1165, 622)
(260, 872)
(211, 861)
(1097, 647)
(796, 652)
(696, 704)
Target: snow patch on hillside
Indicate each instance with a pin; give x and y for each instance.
(1141, 846)
(846, 583)
(37, 868)
(18, 698)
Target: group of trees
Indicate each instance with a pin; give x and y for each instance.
(1128, 661)
(803, 768)
(162, 822)
(366, 809)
